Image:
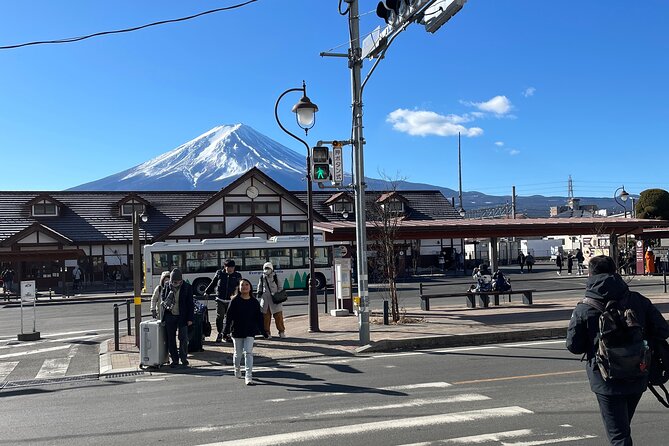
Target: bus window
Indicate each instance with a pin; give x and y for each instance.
(299, 257)
(166, 261)
(235, 254)
(280, 258)
(254, 259)
(321, 258)
(201, 261)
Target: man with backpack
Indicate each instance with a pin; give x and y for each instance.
(226, 282)
(611, 327)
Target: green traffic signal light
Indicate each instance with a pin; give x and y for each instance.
(321, 172)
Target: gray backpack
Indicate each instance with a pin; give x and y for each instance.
(621, 350)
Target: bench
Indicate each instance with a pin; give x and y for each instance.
(470, 296)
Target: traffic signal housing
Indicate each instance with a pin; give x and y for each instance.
(320, 164)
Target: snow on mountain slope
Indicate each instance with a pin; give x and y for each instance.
(210, 162)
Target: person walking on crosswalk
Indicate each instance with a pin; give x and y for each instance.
(244, 321)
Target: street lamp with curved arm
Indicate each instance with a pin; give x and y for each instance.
(305, 112)
(623, 196)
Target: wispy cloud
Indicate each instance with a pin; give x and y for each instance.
(424, 123)
(499, 105)
(499, 143)
(529, 91)
(513, 152)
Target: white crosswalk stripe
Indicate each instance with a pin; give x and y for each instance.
(434, 407)
(53, 368)
(6, 368)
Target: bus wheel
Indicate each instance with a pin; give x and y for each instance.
(200, 285)
(319, 281)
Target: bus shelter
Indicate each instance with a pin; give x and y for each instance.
(494, 229)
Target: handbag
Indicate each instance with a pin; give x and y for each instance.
(279, 297)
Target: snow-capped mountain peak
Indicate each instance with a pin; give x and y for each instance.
(210, 162)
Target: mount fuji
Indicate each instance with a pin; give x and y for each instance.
(218, 157)
(210, 162)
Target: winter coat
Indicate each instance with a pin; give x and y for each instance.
(226, 284)
(264, 293)
(650, 262)
(186, 306)
(244, 318)
(582, 334)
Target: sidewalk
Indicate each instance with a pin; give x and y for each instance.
(443, 326)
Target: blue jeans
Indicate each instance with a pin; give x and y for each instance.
(243, 346)
(171, 327)
(617, 412)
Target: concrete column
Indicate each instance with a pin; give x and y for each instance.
(493, 254)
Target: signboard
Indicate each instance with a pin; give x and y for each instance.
(343, 284)
(28, 290)
(337, 164)
(639, 257)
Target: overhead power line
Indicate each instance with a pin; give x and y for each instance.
(126, 30)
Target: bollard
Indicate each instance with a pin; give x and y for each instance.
(50, 293)
(386, 320)
(116, 330)
(127, 317)
(325, 299)
(664, 273)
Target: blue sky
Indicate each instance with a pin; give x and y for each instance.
(539, 91)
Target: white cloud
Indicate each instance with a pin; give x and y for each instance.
(513, 152)
(529, 92)
(499, 143)
(424, 123)
(499, 105)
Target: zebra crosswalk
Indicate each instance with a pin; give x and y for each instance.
(56, 355)
(435, 413)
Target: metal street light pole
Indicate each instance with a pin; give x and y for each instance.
(136, 273)
(623, 196)
(355, 62)
(305, 113)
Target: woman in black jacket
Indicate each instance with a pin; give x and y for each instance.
(244, 320)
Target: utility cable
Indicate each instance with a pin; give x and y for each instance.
(126, 30)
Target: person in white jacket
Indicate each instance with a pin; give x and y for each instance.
(155, 299)
(267, 286)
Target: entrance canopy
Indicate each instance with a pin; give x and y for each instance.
(466, 228)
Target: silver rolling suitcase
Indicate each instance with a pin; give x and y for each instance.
(152, 344)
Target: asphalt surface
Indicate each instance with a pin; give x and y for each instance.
(509, 394)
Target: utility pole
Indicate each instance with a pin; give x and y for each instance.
(355, 63)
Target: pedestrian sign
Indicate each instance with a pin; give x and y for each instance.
(320, 162)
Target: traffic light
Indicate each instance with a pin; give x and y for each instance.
(441, 12)
(320, 162)
(388, 10)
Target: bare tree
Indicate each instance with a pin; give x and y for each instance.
(385, 214)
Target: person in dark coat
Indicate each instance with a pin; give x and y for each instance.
(521, 261)
(244, 322)
(178, 315)
(570, 263)
(617, 398)
(558, 263)
(226, 283)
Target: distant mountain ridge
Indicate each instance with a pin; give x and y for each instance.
(216, 158)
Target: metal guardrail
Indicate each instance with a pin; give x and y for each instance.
(128, 319)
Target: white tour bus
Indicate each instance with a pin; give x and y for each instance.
(198, 261)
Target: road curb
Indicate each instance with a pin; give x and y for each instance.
(462, 340)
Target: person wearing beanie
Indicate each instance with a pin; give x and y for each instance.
(226, 284)
(178, 315)
(268, 285)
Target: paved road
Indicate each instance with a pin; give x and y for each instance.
(529, 394)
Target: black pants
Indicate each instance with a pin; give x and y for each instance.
(617, 412)
(171, 327)
(221, 310)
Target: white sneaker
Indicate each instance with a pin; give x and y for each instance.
(249, 380)
(282, 334)
(238, 373)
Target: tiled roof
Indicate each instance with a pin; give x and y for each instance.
(420, 205)
(94, 216)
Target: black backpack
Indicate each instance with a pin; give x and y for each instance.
(659, 369)
(621, 351)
